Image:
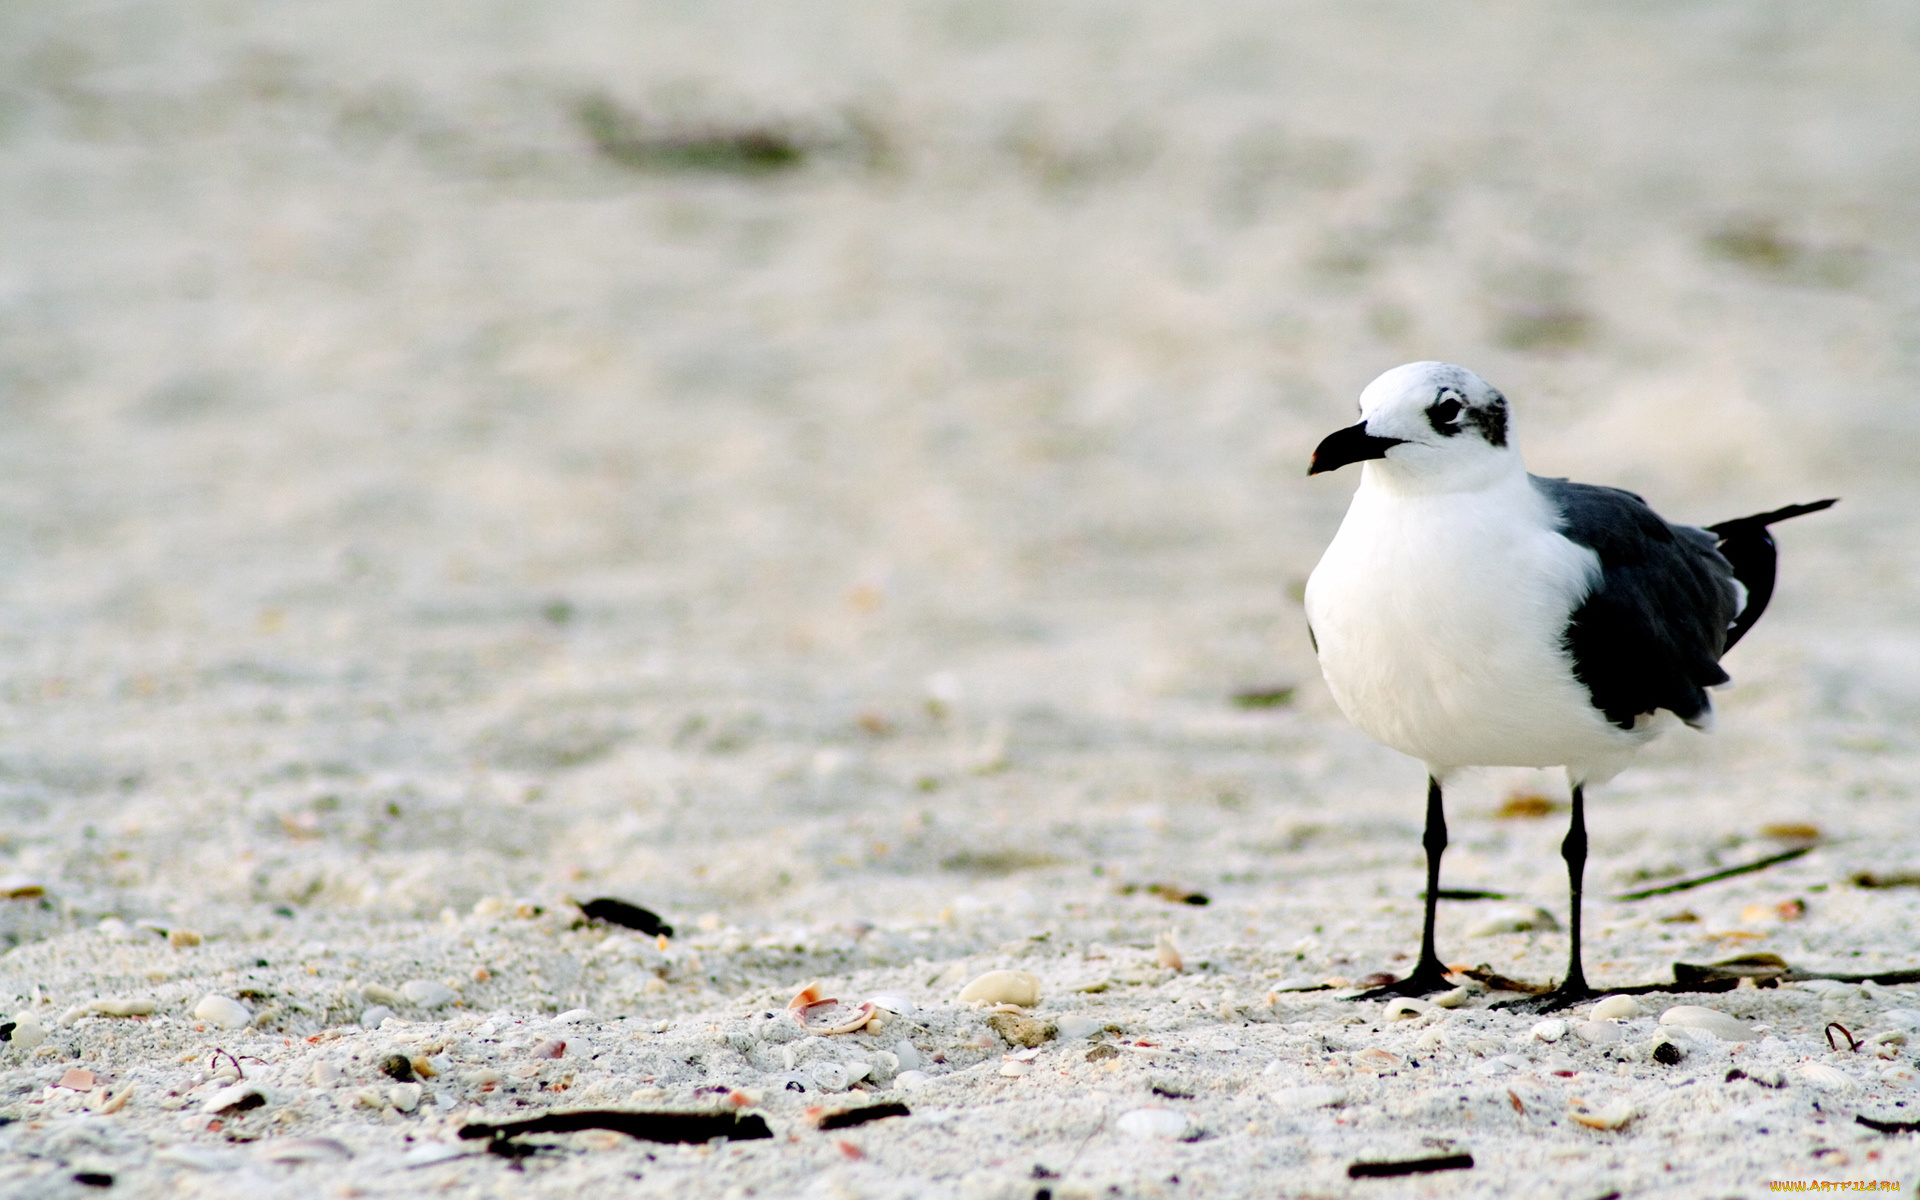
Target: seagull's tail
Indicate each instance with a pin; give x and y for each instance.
(1745, 543)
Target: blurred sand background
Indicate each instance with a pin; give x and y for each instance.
(416, 489)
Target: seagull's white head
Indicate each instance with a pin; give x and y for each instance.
(1429, 426)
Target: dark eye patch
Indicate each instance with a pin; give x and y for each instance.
(1444, 415)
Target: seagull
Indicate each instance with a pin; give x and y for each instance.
(1469, 614)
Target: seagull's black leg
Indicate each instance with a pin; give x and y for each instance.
(1430, 974)
(1572, 990)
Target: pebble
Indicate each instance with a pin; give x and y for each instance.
(376, 1013)
(1598, 1033)
(428, 993)
(1551, 1030)
(910, 1080)
(1615, 1008)
(405, 1096)
(1003, 987)
(181, 939)
(27, 1033)
(1075, 1025)
(1152, 1122)
(1021, 1031)
(237, 1098)
(222, 1011)
(1311, 1096)
(1015, 1069)
(1710, 1020)
(397, 1067)
(898, 1005)
(122, 1008)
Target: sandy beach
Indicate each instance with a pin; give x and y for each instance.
(834, 475)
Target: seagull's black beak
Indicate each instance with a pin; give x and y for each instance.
(1350, 445)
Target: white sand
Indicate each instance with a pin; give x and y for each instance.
(407, 507)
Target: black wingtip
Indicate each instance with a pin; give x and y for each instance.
(1762, 520)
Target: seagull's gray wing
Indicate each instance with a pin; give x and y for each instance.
(1650, 634)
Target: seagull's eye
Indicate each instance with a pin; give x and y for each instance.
(1444, 416)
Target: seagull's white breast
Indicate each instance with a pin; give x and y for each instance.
(1440, 620)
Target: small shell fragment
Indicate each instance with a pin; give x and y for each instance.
(1003, 987)
(1152, 1122)
(1376, 1059)
(1167, 951)
(898, 1005)
(1613, 1116)
(1016, 1069)
(1405, 1008)
(1615, 1008)
(405, 1096)
(1454, 998)
(1551, 1030)
(219, 1010)
(1710, 1020)
(1598, 1033)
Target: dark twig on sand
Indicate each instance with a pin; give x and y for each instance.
(1410, 1166)
(1772, 860)
(647, 1126)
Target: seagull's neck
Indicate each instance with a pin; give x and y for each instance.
(1482, 473)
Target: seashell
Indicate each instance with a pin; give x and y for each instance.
(238, 1098)
(27, 1033)
(1612, 1116)
(813, 996)
(1710, 1020)
(216, 1009)
(115, 1102)
(375, 1014)
(1615, 1008)
(1406, 1007)
(1454, 998)
(1376, 1060)
(1152, 1122)
(1003, 987)
(1824, 1077)
(1549, 1031)
(1015, 1069)
(897, 1005)
(1432, 1039)
(121, 1008)
(1075, 1025)
(377, 993)
(405, 1096)
(1311, 1096)
(909, 1080)
(427, 993)
(1598, 1033)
